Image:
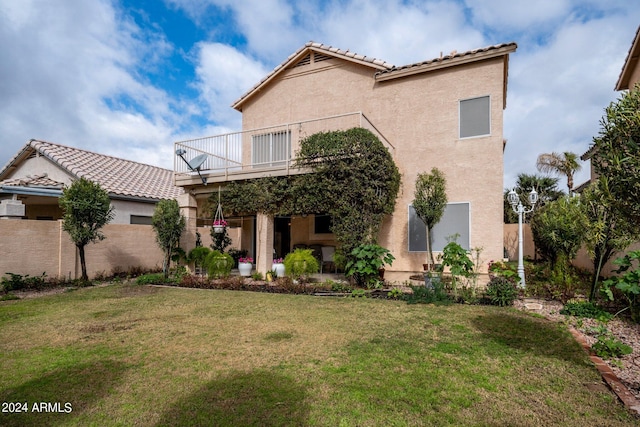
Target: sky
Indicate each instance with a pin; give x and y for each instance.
(128, 78)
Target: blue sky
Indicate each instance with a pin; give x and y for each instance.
(130, 77)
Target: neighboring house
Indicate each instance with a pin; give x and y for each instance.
(446, 112)
(32, 182)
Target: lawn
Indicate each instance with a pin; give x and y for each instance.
(138, 355)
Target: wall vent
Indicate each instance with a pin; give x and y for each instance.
(317, 57)
(304, 61)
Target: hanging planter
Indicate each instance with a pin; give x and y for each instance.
(219, 224)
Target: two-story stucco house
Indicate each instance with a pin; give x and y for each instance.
(445, 112)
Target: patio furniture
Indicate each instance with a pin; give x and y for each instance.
(327, 258)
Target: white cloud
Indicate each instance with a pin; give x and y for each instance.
(558, 92)
(83, 73)
(60, 68)
(224, 74)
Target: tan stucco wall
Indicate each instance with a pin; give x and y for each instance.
(33, 247)
(419, 116)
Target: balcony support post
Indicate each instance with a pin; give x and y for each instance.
(264, 244)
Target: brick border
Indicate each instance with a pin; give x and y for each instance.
(614, 383)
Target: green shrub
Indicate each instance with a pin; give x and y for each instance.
(501, 291)
(504, 269)
(218, 264)
(395, 293)
(628, 283)
(152, 279)
(607, 346)
(257, 276)
(301, 263)
(18, 282)
(434, 294)
(365, 262)
(198, 255)
(585, 309)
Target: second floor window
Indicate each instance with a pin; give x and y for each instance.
(475, 117)
(271, 149)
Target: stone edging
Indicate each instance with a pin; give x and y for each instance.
(608, 375)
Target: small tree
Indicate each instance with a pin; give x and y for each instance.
(430, 199)
(558, 232)
(616, 153)
(607, 231)
(87, 208)
(168, 224)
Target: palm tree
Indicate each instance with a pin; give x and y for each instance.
(562, 164)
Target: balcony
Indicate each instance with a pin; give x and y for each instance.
(257, 153)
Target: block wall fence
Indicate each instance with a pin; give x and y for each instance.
(35, 247)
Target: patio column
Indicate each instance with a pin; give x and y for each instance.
(264, 244)
(189, 209)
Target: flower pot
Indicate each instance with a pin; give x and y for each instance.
(218, 228)
(279, 269)
(245, 268)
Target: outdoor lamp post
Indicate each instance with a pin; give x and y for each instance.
(514, 200)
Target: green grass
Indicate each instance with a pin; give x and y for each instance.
(137, 355)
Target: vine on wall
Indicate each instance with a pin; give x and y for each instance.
(354, 180)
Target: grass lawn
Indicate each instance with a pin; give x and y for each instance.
(137, 355)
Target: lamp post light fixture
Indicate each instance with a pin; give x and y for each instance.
(516, 204)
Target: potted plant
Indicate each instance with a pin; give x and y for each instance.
(245, 265)
(218, 264)
(278, 267)
(430, 200)
(366, 263)
(301, 263)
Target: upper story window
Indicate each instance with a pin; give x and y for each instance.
(271, 149)
(475, 117)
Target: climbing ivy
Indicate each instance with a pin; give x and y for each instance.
(354, 180)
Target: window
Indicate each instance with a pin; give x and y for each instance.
(322, 224)
(475, 117)
(454, 220)
(271, 149)
(139, 219)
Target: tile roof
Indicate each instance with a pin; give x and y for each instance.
(384, 69)
(39, 181)
(453, 57)
(117, 176)
(321, 48)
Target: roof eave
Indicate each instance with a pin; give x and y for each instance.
(294, 58)
(630, 63)
(446, 62)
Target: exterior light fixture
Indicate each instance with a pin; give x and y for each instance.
(516, 205)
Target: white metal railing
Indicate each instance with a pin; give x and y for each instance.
(271, 147)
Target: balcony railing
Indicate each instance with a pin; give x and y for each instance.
(259, 152)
